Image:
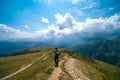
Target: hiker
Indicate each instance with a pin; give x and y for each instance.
(56, 58)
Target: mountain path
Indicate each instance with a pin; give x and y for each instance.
(71, 68)
(73, 71)
(56, 72)
(23, 68)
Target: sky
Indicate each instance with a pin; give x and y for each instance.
(59, 20)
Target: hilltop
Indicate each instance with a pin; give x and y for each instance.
(38, 64)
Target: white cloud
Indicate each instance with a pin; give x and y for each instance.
(45, 20)
(90, 28)
(7, 32)
(26, 26)
(64, 21)
(67, 28)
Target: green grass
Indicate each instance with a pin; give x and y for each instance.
(39, 70)
(42, 69)
(11, 64)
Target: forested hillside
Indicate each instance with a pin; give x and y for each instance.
(105, 50)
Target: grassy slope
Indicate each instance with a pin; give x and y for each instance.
(97, 70)
(41, 69)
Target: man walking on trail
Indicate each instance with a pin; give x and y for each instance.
(56, 58)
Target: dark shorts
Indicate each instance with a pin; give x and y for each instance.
(56, 56)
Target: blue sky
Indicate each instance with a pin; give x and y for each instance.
(59, 18)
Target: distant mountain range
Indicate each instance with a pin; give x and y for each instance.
(104, 50)
(9, 46)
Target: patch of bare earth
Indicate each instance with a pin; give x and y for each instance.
(76, 74)
(56, 72)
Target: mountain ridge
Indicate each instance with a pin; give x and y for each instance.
(104, 50)
(73, 66)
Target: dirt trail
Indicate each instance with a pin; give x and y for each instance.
(23, 68)
(73, 71)
(70, 67)
(20, 70)
(56, 72)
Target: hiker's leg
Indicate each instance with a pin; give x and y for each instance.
(57, 61)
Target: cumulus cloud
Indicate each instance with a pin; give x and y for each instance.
(67, 29)
(99, 28)
(45, 20)
(7, 32)
(66, 21)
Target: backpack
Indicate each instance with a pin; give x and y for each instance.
(57, 52)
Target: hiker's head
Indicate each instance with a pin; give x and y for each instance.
(56, 48)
